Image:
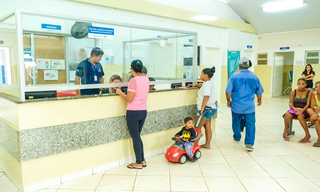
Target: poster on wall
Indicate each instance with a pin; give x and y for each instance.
(50, 75)
(233, 61)
(43, 63)
(58, 64)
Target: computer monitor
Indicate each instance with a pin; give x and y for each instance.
(41, 94)
(174, 85)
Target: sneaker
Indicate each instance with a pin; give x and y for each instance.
(249, 147)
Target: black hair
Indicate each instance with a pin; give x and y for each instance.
(114, 77)
(302, 79)
(96, 51)
(137, 66)
(250, 64)
(209, 72)
(187, 119)
(144, 70)
(151, 79)
(305, 69)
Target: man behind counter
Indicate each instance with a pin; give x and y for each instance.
(90, 71)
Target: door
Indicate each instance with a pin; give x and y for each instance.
(249, 55)
(277, 75)
(212, 59)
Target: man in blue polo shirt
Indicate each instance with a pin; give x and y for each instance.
(90, 71)
(241, 90)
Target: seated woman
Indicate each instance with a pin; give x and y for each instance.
(299, 103)
(114, 79)
(315, 105)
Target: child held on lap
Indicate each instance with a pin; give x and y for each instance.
(188, 133)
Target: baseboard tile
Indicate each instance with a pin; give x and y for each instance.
(76, 175)
(42, 185)
(105, 167)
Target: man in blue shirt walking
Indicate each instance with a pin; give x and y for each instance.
(241, 90)
(90, 71)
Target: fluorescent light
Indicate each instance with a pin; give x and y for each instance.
(205, 18)
(282, 5)
(223, 1)
(137, 43)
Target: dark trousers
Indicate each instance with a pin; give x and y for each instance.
(135, 121)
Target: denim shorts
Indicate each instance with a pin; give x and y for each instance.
(209, 114)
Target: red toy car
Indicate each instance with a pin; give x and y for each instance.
(176, 152)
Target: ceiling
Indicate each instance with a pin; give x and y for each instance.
(302, 18)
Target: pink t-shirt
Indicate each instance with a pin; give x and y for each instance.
(140, 86)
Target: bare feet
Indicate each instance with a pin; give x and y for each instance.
(317, 144)
(305, 139)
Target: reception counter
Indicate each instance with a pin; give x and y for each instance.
(47, 142)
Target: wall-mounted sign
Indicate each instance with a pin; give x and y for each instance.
(1, 42)
(50, 28)
(190, 40)
(284, 48)
(233, 61)
(43, 63)
(100, 32)
(249, 46)
(58, 64)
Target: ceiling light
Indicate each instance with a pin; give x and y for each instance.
(282, 5)
(205, 18)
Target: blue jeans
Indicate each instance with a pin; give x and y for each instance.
(188, 147)
(249, 120)
(242, 124)
(209, 114)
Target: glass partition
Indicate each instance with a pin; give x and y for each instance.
(54, 46)
(8, 56)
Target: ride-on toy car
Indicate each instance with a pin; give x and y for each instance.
(177, 153)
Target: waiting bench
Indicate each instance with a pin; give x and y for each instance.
(290, 132)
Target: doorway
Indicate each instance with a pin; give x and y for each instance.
(249, 55)
(211, 59)
(282, 73)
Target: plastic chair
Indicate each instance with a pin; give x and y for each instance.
(288, 90)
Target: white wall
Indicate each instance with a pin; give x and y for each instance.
(299, 42)
(208, 36)
(210, 7)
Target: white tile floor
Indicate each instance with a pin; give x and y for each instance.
(274, 165)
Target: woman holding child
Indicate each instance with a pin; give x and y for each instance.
(299, 103)
(314, 111)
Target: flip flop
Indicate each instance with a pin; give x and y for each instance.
(133, 167)
(310, 124)
(286, 138)
(204, 147)
(316, 144)
(301, 141)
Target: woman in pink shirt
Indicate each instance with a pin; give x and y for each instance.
(137, 94)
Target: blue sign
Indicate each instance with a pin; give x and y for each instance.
(284, 48)
(49, 27)
(190, 40)
(233, 61)
(249, 46)
(100, 32)
(27, 51)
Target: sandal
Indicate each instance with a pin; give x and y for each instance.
(286, 138)
(310, 124)
(204, 147)
(133, 167)
(144, 165)
(316, 144)
(301, 141)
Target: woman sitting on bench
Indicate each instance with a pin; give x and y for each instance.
(299, 103)
(315, 110)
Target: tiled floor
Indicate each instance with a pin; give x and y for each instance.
(274, 165)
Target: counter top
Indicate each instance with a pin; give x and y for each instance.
(16, 99)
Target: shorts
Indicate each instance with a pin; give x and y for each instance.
(209, 114)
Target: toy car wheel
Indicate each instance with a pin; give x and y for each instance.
(197, 154)
(182, 159)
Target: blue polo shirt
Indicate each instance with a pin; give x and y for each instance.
(243, 86)
(87, 71)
